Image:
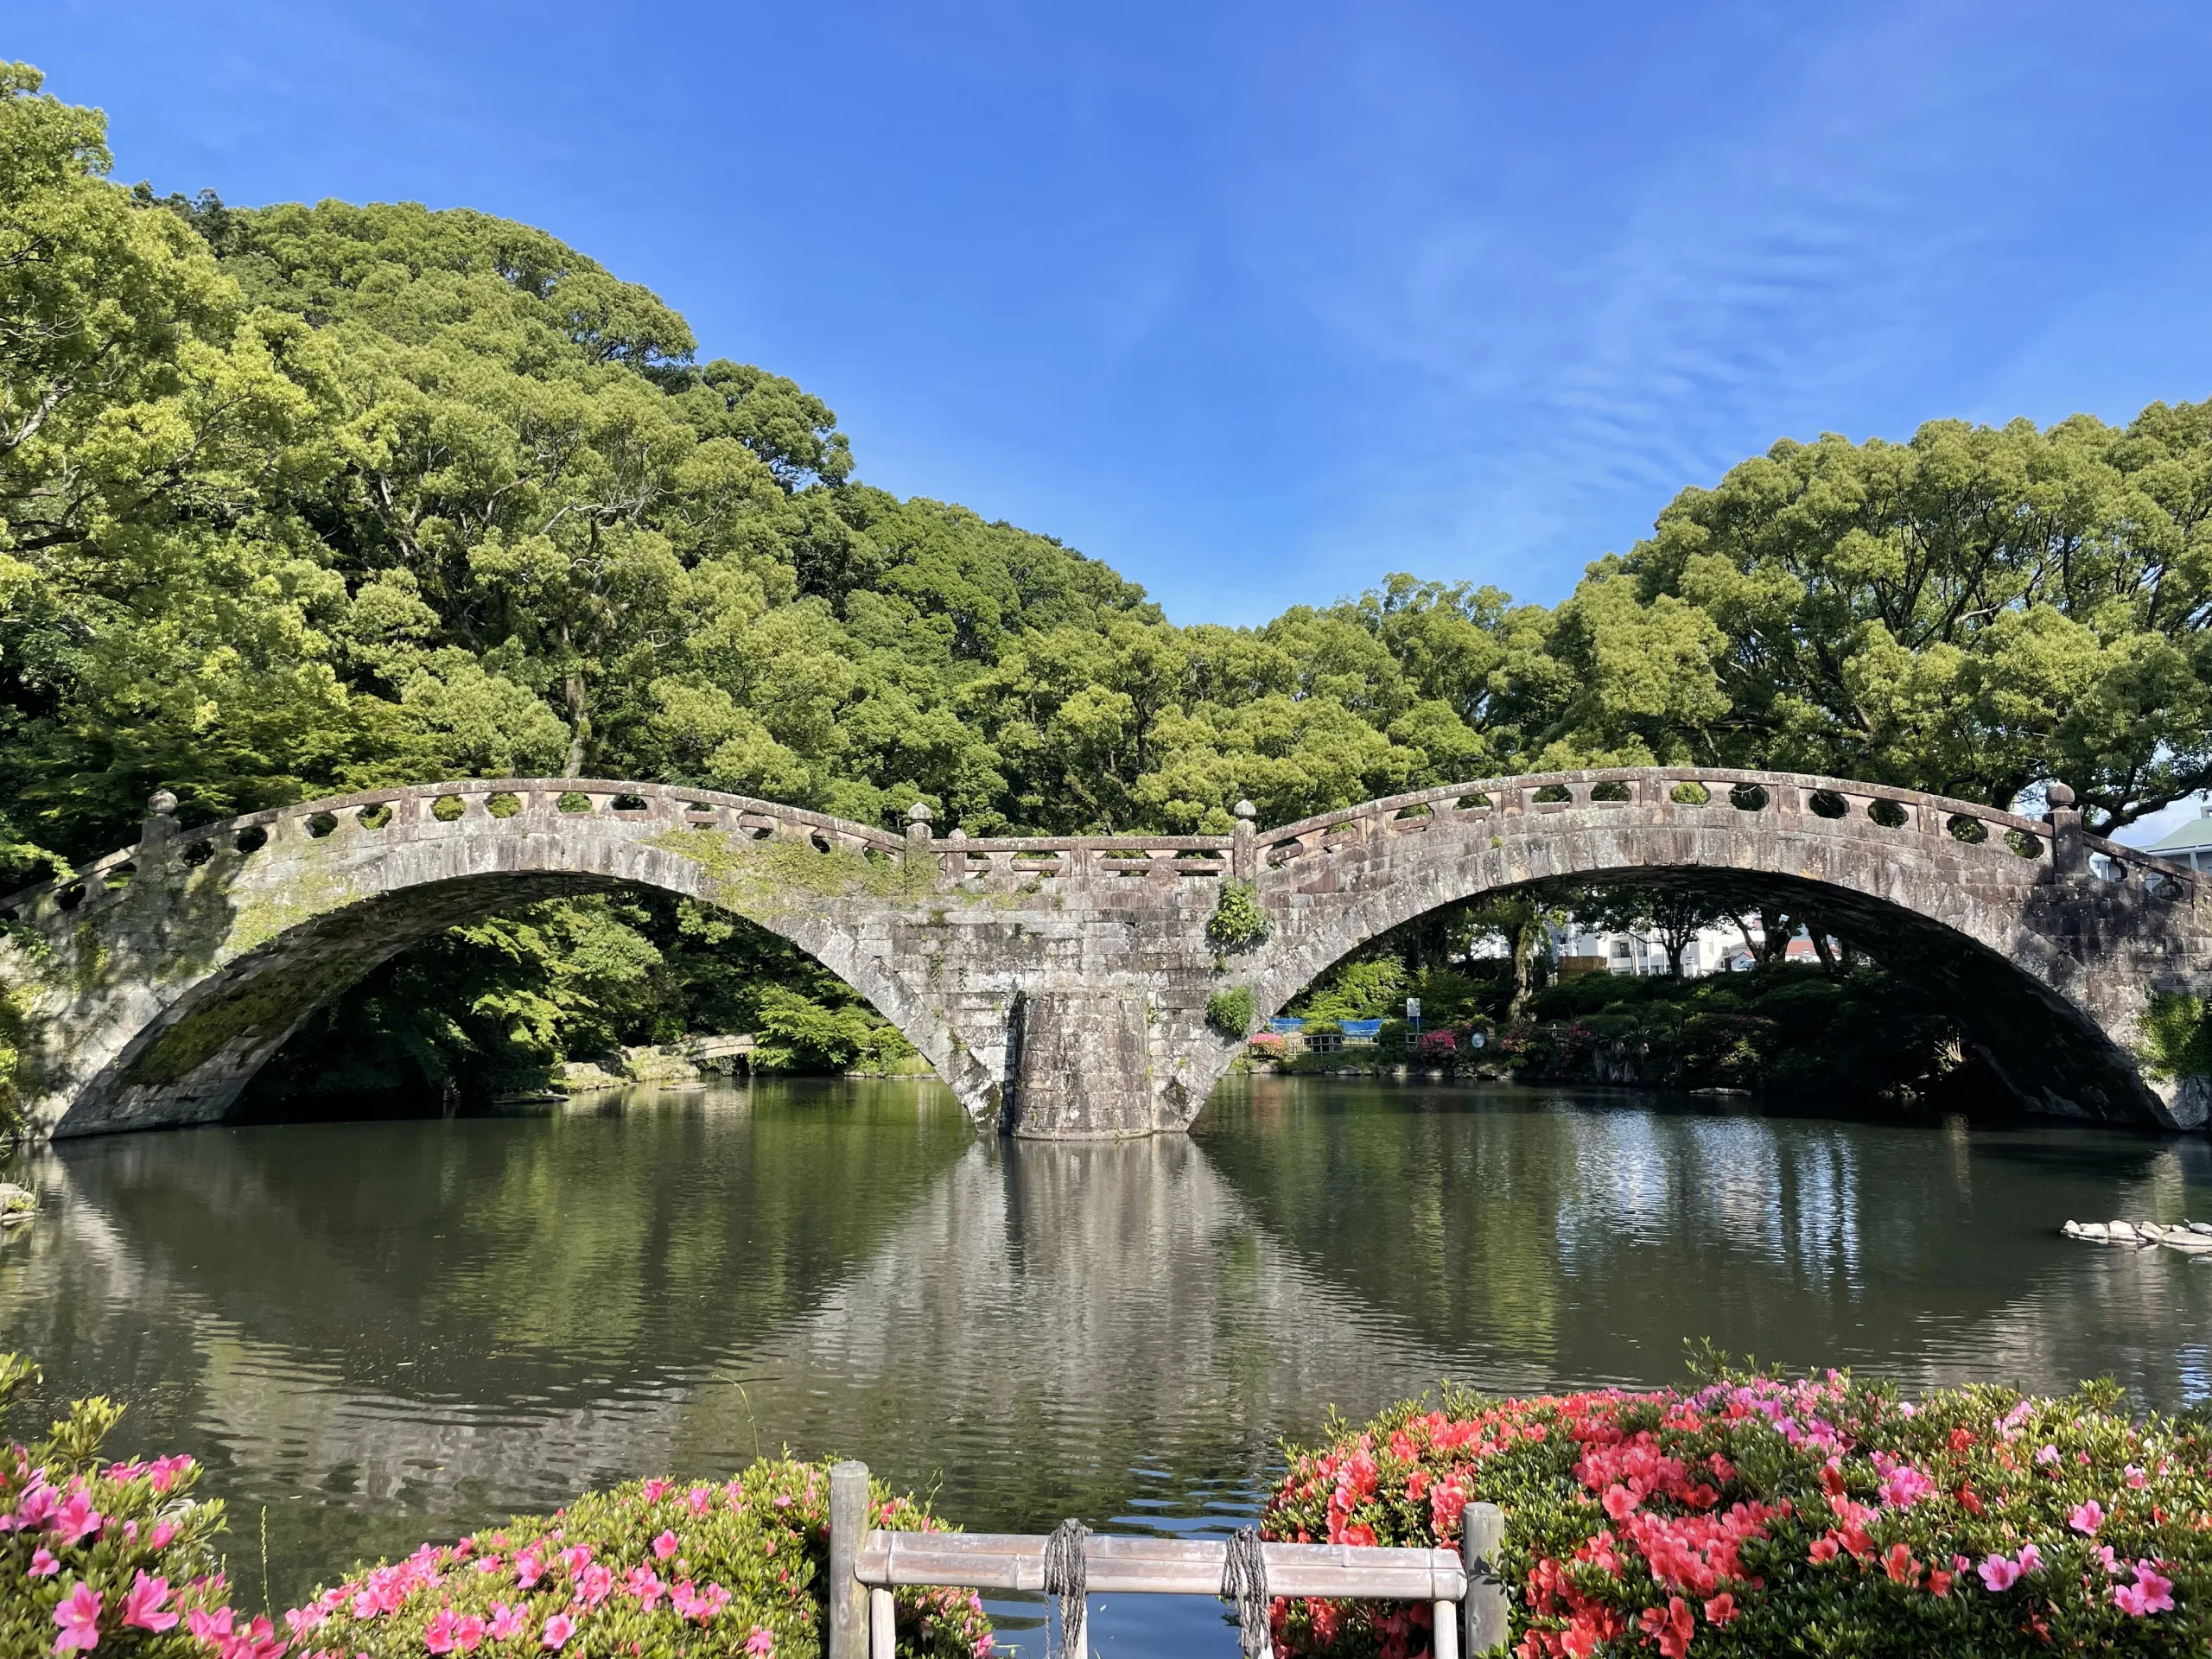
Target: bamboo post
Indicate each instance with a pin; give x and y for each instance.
(882, 1625)
(846, 1596)
(1075, 1637)
(1482, 1534)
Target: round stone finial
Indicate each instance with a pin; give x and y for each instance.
(1245, 810)
(162, 804)
(2059, 795)
(957, 834)
(919, 812)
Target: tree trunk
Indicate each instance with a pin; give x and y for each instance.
(579, 723)
(1527, 935)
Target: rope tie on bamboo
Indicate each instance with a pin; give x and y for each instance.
(1244, 1582)
(1066, 1573)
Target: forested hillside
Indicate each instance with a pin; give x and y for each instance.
(295, 500)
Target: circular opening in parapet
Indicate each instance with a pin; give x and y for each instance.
(2027, 845)
(374, 817)
(1477, 802)
(1888, 814)
(322, 824)
(251, 839)
(1826, 804)
(1748, 797)
(2160, 885)
(197, 853)
(1551, 794)
(447, 808)
(820, 841)
(120, 875)
(70, 897)
(629, 803)
(503, 804)
(1612, 792)
(1964, 827)
(1689, 795)
(574, 800)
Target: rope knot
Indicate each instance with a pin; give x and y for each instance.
(1067, 1572)
(1244, 1583)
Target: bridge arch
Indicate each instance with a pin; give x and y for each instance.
(182, 965)
(2046, 943)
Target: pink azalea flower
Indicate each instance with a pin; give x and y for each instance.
(259, 1641)
(43, 1566)
(467, 1633)
(78, 1615)
(76, 1518)
(666, 1545)
(438, 1634)
(507, 1620)
(558, 1630)
(699, 1499)
(2030, 1558)
(213, 1629)
(644, 1584)
(594, 1584)
(759, 1642)
(37, 1502)
(141, 1604)
(2152, 1592)
(2135, 1476)
(2049, 1454)
(2087, 1517)
(163, 1531)
(1998, 1573)
(653, 1490)
(528, 1566)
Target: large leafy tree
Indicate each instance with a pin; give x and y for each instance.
(1974, 612)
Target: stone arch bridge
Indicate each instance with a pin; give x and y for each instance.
(1060, 985)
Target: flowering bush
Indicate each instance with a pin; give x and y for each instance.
(649, 1569)
(116, 1558)
(111, 1556)
(1757, 1516)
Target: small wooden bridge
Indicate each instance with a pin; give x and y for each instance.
(866, 1564)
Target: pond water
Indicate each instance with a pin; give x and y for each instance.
(384, 1332)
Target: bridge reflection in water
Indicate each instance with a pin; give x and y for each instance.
(385, 1331)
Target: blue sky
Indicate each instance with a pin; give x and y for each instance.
(1260, 302)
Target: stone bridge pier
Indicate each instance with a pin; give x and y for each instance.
(1060, 985)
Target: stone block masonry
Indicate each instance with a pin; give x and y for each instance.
(1060, 985)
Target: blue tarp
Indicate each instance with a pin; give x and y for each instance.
(1288, 1028)
(1362, 1027)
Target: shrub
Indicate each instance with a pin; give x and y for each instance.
(114, 1556)
(1755, 1514)
(1231, 1012)
(650, 1570)
(2176, 1038)
(1237, 923)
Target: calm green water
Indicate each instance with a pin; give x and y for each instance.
(388, 1332)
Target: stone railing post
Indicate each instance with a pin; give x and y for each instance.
(160, 822)
(918, 832)
(846, 1595)
(2067, 855)
(1243, 843)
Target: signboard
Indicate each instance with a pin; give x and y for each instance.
(1413, 1008)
